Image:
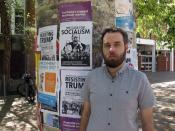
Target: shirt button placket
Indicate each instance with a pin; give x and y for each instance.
(110, 105)
(111, 89)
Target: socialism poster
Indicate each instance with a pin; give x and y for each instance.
(76, 45)
(76, 35)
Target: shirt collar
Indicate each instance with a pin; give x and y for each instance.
(121, 71)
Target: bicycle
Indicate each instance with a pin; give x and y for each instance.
(27, 88)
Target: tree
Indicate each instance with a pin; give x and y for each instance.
(155, 19)
(5, 20)
(30, 32)
(6, 9)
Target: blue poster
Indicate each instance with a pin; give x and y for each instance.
(47, 99)
(125, 22)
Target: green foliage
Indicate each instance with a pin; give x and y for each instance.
(29, 39)
(156, 18)
(29, 31)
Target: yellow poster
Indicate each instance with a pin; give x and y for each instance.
(37, 60)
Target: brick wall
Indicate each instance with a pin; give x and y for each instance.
(162, 63)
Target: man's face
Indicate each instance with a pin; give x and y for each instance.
(114, 49)
(75, 39)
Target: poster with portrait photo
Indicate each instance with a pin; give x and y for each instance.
(72, 82)
(47, 39)
(123, 7)
(76, 45)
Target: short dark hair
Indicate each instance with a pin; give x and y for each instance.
(115, 30)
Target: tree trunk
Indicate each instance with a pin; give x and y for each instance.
(30, 13)
(29, 36)
(5, 20)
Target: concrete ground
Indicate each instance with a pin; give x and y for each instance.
(18, 115)
(163, 84)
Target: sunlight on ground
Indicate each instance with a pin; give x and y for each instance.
(164, 112)
(164, 84)
(19, 115)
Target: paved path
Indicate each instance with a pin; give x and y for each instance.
(159, 77)
(17, 115)
(163, 84)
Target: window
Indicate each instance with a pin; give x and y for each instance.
(19, 21)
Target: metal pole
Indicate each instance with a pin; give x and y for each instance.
(4, 86)
(172, 60)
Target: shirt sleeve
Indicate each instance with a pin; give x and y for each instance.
(86, 91)
(146, 96)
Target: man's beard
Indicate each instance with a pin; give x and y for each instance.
(113, 63)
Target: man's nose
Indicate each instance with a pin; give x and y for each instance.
(111, 49)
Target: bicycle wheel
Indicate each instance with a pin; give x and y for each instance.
(21, 89)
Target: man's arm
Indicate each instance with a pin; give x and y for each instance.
(85, 116)
(147, 119)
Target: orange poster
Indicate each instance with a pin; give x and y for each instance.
(50, 82)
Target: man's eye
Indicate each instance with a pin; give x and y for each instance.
(116, 45)
(107, 46)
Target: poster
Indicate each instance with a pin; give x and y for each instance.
(72, 82)
(47, 39)
(50, 108)
(69, 124)
(50, 119)
(125, 22)
(131, 39)
(131, 58)
(76, 35)
(76, 45)
(123, 8)
(78, 11)
(48, 83)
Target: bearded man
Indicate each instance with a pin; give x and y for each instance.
(114, 94)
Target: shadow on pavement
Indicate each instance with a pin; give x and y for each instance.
(5, 108)
(158, 77)
(163, 84)
(17, 115)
